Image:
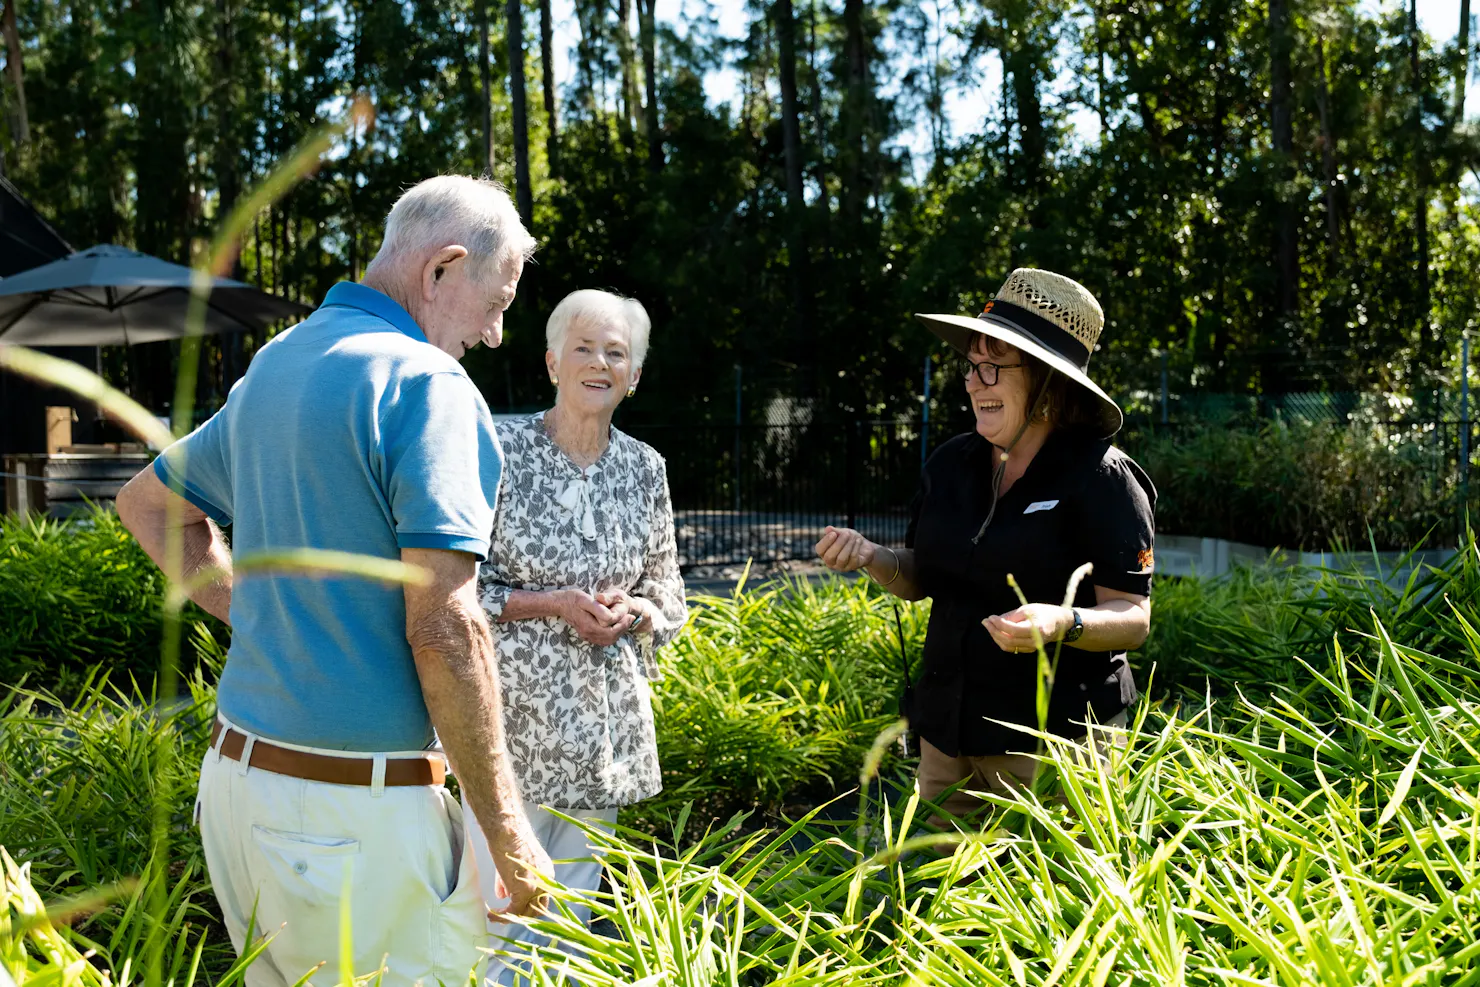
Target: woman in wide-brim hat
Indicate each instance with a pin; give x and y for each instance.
(1035, 491)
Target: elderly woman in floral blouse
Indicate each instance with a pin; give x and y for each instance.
(581, 586)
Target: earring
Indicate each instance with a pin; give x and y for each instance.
(555, 380)
(631, 390)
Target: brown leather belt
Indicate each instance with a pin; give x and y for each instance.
(427, 769)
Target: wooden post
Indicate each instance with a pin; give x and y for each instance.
(59, 428)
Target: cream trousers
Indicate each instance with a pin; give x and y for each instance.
(290, 848)
(575, 867)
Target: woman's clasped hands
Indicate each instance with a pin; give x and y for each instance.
(602, 619)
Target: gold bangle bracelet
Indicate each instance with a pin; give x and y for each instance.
(892, 578)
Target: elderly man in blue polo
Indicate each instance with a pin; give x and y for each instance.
(357, 430)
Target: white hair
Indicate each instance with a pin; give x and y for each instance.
(474, 212)
(602, 308)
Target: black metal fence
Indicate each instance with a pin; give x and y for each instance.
(765, 493)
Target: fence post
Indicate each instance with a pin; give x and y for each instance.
(736, 464)
(925, 423)
(1163, 387)
(850, 453)
(1464, 433)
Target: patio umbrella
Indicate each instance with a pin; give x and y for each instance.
(107, 296)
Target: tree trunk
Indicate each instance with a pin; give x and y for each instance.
(485, 77)
(647, 31)
(547, 76)
(1020, 60)
(791, 135)
(819, 121)
(631, 106)
(228, 183)
(585, 52)
(1100, 108)
(16, 72)
(1287, 256)
(514, 12)
(1421, 196)
(855, 110)
(1461, 61)
(1328, 154)
(790, 124)
(352, 157)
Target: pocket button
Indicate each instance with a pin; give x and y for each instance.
(300, 867)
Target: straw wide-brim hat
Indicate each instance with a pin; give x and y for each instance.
(1047, 316)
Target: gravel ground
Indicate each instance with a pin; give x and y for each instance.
(717, 544)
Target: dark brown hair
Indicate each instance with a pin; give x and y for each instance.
(1065, 404)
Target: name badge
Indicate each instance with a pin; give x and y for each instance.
(1041, 505)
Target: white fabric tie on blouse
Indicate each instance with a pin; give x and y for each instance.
(576, 498)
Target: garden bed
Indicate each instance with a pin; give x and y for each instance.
(1297, 804)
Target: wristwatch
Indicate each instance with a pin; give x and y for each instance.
(1077, 631)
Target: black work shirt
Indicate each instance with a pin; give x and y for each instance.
(1080, 500)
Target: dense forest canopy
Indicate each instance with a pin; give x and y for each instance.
(1273, 197)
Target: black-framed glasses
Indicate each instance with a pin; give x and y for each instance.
(986, 371)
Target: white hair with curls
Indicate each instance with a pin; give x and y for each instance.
(599, 308)
(474, 212)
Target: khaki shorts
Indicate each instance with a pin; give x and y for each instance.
(999, 773)
(286, 850)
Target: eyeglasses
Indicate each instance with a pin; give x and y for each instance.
(986, 372)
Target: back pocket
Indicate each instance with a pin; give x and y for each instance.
(301, 881)
(310, 868)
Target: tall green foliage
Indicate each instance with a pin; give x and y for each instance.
(1301, 810)
(81, 599)
(774, 695)
(1299, 485)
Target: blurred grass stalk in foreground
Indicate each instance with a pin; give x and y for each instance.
(217, 261)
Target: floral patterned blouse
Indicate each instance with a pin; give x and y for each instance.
(578, 717)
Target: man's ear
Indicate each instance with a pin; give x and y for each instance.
(437, 266)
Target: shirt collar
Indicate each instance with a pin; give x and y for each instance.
(378, 304)
(1056, 448)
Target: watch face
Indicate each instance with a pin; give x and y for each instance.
(1077, 630)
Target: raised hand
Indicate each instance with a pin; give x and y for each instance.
(845, 550)
(1013, 631)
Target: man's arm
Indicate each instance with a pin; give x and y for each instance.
(153, 513)
(455, 662)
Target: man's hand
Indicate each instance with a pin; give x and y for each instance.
(593, 621)
(845, 550)
(522, 864)
(1013, 631)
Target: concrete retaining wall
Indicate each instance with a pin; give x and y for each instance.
(1183, 555)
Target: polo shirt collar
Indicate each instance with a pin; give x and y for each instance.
(354, 295)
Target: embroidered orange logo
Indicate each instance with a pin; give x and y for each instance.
(1145, 559)
(989, 306)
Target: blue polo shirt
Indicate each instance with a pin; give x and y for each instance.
(349, 432)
